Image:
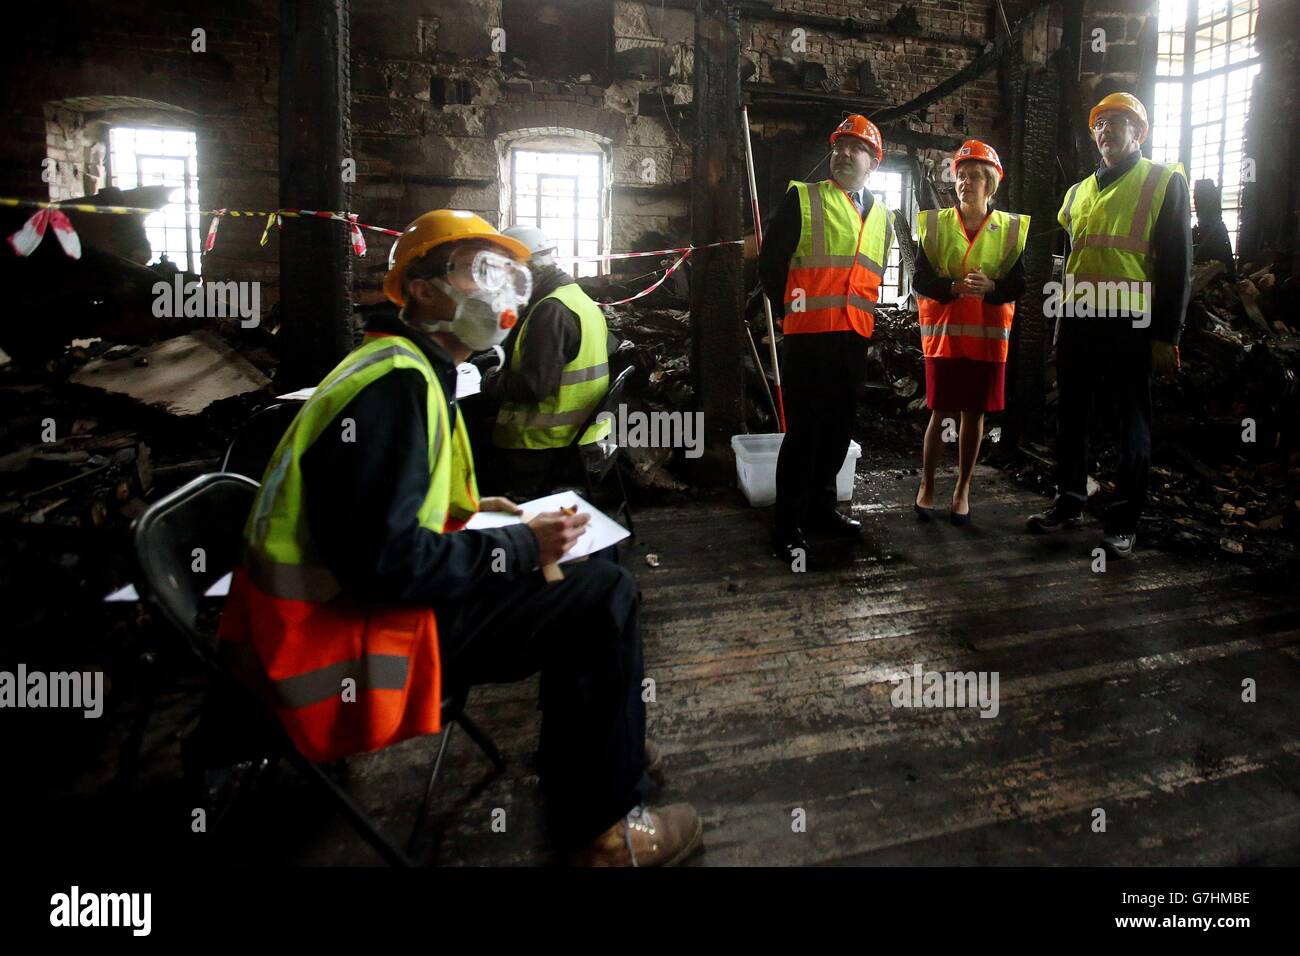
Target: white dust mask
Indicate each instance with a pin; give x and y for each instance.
(484, 317)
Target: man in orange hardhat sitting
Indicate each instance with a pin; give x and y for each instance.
(823, 258)
(361, 602)
(1120, 312)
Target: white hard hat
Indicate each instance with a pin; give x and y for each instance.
(538, 242)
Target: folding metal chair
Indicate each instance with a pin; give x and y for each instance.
(250, 450)
(597, 459)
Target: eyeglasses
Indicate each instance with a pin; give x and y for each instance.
(1116, 122)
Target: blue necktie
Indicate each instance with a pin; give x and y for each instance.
(857, 202)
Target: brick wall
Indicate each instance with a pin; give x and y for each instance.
(433, 117)
(72, 72)
(1118, 49)
(435, 100)
(908, 48)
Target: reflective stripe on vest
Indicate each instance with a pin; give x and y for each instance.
(554, 421)
(343, 676)
(967, 326)
(835, 273)
(1110, 232)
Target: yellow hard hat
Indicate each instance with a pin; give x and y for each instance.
(433, 229)
(1122, 101)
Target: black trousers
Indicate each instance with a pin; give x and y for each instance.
(582, 635)
(1104, 359)
(823, 374)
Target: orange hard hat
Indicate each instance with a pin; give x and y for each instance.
(865, 130)
(433, 229)
(973, 149)
(1122, 101)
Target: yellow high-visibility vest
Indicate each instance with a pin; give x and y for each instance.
(1110, 235)
(554, 421)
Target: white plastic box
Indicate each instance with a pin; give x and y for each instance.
(756, 468)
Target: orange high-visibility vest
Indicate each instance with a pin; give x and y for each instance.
(967, 326)
(835, 273)
(344, 676)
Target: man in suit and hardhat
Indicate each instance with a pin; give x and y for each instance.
(823, 258)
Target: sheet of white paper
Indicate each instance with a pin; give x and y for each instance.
(219, 588)
(127, 593)
(299, 396)
(469, 381)
(602, 531)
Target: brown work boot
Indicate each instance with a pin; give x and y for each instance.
(644, 837)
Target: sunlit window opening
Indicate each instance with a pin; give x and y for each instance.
(148, 156)
(560, 193)
(1205, 66)
(893, 189)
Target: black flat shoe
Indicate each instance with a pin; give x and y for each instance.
(959, 521)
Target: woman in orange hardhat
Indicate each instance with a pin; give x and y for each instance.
(967, 279)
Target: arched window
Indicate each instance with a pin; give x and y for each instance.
(559, 182)
(130, 143)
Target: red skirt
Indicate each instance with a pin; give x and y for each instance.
(964, 385)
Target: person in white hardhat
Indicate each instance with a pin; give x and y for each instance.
(555, 372)
(539, 244)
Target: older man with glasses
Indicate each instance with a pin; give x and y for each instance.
(1127, 284)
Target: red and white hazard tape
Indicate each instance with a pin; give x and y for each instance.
(52, 214)
(662, 279)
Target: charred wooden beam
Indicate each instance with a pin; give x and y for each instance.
(315, 139)
(990, 56)
(717, 291)
(849, 26)
(766, 99)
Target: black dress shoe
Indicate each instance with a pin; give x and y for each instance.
(833, 521)
(1059, 515)
(785, 546)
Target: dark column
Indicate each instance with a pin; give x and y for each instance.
(1039, 84)
(718, 187)
(315, 138)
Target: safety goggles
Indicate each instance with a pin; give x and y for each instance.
(492, 272)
